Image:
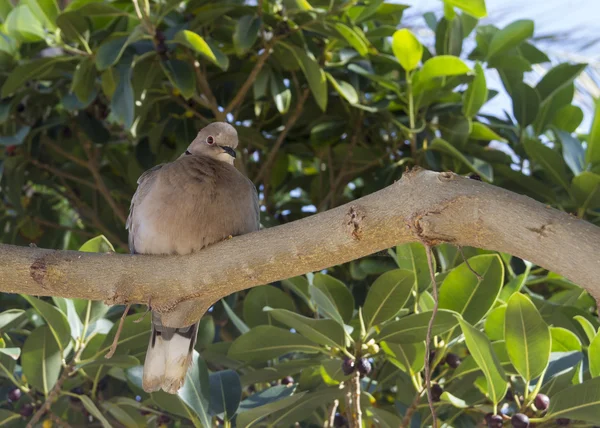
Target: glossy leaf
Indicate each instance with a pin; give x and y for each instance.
(476, 94)
(321, 331)
(579, 402)
(41, 359)
(592, 155)
(526, 104)
(307, 404)
(84, 79)
(586, 189)
(264, 296)
(353, 39)
(476, 165)
(557, 78)
(281, 94)
(479, 131)
(468, 295)
(511, 36)
(345, 89)
(413, 328)
(409, 357)
(272, 403)
(573, 152)
(482, 352)
(332, 297)
(550, 161)
(413, 257)
(195, 391)
(475, 8)
(30, 70)
(564, 340)
(494, 323)
(568, 118)
(246, 33)
(388, 294)
(181, 74)
(587, 327)
(198, 44)
(122, 102)
(442, 66)
(225, 393)
(56, 320)
(527, 337)
(407, 49)
(266, 342)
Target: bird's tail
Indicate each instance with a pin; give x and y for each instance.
(169, 356)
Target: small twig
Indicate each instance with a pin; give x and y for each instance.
(288, 126)
(460, 250)
(63, 174)
(429, 334)
(411, 410)
(207, 92)
(353, 409)
(113, 347)
(65, 154)
(329, 423)
(140, 319)
(241, 94)
(193, 111)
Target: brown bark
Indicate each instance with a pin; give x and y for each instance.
(424, 206)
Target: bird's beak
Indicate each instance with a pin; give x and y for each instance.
(229, 151)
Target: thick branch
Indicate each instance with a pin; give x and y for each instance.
(424, 206)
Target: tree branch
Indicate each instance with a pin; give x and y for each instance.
(353, 411)
(423, 206)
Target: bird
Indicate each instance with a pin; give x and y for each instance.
(181, 207)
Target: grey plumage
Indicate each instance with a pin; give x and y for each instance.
(182, 207)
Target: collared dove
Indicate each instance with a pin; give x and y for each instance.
(182, 207)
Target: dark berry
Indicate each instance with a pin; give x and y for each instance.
(163, 419)
(26, 410)
(436, 392)
(160, 36)
(21, 107)
(145, 412)
(14, 394)
(453, 360)
(509, 395)
(287, 380)
(363, 366)
(78, 390)
(494, 421)
(541, 402)
(563, 421)
(340, 421)
(348, 366)
(519, 420)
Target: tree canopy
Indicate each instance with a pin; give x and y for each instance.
(332, 100)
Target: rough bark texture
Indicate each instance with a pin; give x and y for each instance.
(423, 206)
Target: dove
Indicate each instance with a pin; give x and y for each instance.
(179, 208)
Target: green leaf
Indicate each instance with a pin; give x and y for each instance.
(266, 342)
(269, 401)
(564, 340)
(10, 419)
(133, 338)
(336, 293)
(572, 150)
(198, 44)
(93, 410)
(476, 94)
(469, 365)
(195, 391)
(345, 89)
(206, 332)
(482, 352)
(413, 257)
(413, 328)
(13, 353)
(580, 402)
(111, 52)
(388, 294)
(479, 131)
(586, 189)
(304, 406)
(299, 285)
(182, 76)
(592, 155)
(409, 357)
(353, 39)
(33, 70)
(510, 36)
(526, 104)
(23, 25)
(594, 356)
(122, 103)
(16, 139)
(261, 297)
(10, 318)
(73, 26)
(385, 419)
(442, 66)
(56, 320)
(321, 331)
(45, 11)
(494, 323)
(237, 321)
(468, 295)
(587, 327)
(475, 8)
(225, 393)
(246, 33)
(313, 72)
(129, 416)
(550, 161)
(527, 337)
(41, 359)
(476, 165)
(568, 118)
(557, 78)
(281, 94)
(455, 401)
(123, 361)
(84, 79)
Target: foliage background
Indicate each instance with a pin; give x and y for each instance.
(330, 103)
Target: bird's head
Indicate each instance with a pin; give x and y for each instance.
(217, 140)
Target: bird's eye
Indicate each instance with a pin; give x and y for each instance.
(210, 140)
(187, 152)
